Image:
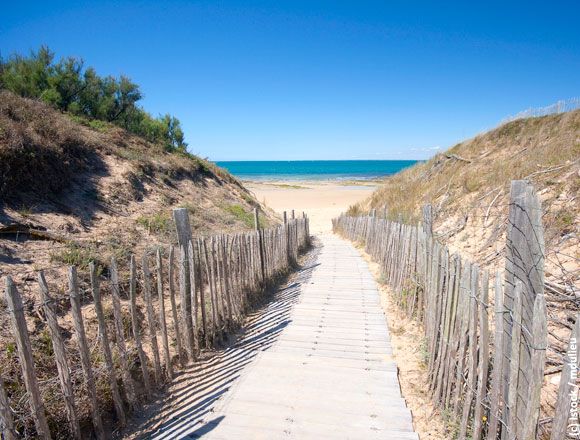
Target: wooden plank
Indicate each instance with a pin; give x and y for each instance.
(212, 295)
(446, 335)
(84, 351)
(136, 326)
(538, 362)
(60, 356)
(20, 331)
(202, 301)
(472, 370)
(183, 227)
(176, 329)
(483, 367)
(7, 428)
(158, 374)
(128, 382)
(260, 243)
(512, 425)
(495, 394)
(185, 302)
(568, 385)
(193, 282)
(524, 262)
(105, 344)
(460, 357)
(162, 321)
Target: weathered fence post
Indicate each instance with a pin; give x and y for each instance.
(151, 320)
(84, 351)
(128, 382)
(483, 358)
(162, 321)
(171, 275)
(136, 326)
(183, 227)
(104, 337)
(60, 356)
(524, 263)
(20, 331)
(261, 243)
(539, 339)
(515, 362)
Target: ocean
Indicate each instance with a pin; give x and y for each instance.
(315, 169)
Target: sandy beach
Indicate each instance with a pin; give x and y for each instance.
(321, 200)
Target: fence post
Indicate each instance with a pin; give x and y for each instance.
(498, 357)
(515, 362)
(261, 242)
(171, 276)
(524, 263)
(483, 358)
(60, 356)
(183, 227)
(540, 342)
(162, 322)
(84, 351)
(128, 382)
(104, 337)
(157, 374)
(136, 325)
(20, 331)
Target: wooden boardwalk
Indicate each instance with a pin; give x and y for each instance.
(316, 365)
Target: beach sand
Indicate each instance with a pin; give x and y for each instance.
(321, 200)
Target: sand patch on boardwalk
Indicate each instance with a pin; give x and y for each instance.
(321, 200)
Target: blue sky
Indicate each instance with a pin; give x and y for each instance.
(281, 80)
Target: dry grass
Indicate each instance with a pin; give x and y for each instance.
(101, 192)
(468, 187)
(527, 148)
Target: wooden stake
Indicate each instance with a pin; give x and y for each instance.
(151, 320)
(171, 276)
(163, 324)
(128, 382)
(60, 356)
(104, 337)
(136, 325)
(20, 331)
(84, 351)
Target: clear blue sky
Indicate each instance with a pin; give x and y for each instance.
(319, 79)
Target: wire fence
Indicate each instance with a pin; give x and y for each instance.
(561, 106)
(486, 356)
(80, 363)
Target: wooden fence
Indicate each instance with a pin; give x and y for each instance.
(218, 278)
(486, 356)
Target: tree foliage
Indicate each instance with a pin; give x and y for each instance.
(70, 87)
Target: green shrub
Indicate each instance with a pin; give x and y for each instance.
(158, 223)
(240, 214)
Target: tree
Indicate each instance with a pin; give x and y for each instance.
(69, 87)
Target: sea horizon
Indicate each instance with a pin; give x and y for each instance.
(279, 170)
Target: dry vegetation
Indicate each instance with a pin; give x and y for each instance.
(71, 193)
(74, 191)
(468, 186)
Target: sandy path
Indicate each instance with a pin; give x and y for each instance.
(322, 201)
